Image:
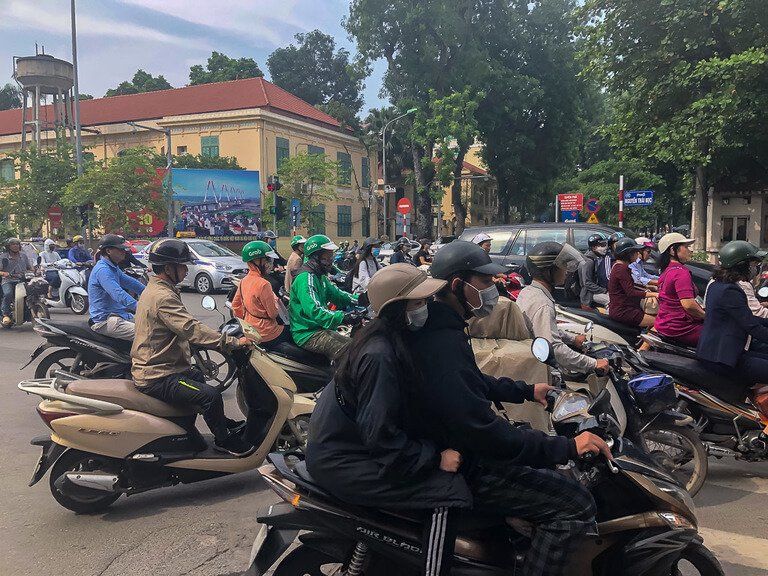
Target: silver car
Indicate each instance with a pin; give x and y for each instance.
(213, 268)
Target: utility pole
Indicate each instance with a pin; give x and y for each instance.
(78, 140)
(384, 161)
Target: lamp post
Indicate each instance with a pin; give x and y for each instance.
(76, 111)
(384, 161)
(169, 162)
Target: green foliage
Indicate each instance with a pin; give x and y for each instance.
(310, 177)
(141, 82)
(116, 187)
(85, 97)
(43, 176)
(10, 97)
(315, 71)
(398, 153)
(6, 231)
(221, 68)
(201, 162)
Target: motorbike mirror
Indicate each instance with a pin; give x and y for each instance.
(208, 303)
(600, 403)
(589, 326)
(763, 292)
(542, 350)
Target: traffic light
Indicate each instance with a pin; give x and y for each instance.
(270, 184)
(279, 207)
(276, 183)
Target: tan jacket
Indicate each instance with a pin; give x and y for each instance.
(292, 268)
(164, 331)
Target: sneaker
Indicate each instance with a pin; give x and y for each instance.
(235, 426)
(235, 445)
(7, 321)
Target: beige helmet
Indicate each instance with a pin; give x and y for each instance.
(400, 282)
(671, 239)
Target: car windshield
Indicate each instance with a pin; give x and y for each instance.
(210, 250)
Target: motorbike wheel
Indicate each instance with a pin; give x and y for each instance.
(41, 311)
(84, 501)
(63, 359)
(288, 441)
(219, 370)
(78, 303)
(700, 559)
(680, 452)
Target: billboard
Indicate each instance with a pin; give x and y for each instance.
(217, 203)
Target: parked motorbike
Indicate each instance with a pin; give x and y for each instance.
(629, 334)
(109, 439)
(72, 292)
(646, 522)
(29, 299)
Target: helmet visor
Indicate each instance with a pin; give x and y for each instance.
(568, 259)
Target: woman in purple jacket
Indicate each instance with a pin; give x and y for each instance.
(624, 297)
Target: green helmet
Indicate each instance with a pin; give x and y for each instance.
(739, 251)
(257, 249)
(316, 243)
(296, 240)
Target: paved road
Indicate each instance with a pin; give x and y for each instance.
(206, 529)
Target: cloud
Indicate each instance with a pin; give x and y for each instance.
(53, 19)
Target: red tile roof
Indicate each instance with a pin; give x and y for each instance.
(216, 97)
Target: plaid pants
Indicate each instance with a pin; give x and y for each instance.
(560, 508)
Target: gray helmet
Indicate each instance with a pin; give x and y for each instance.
(169, 251)
(738, 252)
(371, 241)
(625, 246)
(12, 240)
(461, 256)
(112, 241)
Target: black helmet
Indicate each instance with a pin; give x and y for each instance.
(547, 255)
(461, 256)
(614, 238)
(371, 241)
(739, 251)
(169, 251)
(596, 239)
(625, 246)
(112, 241)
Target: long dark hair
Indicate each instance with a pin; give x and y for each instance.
(364, 253)
(391, 325)
(665, 258)
(737, 273)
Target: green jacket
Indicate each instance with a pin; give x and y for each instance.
(310, 294)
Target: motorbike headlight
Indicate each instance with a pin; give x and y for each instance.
(676, 521)
(569, 404)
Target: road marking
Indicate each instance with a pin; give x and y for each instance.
(736, 548)
(751, 484)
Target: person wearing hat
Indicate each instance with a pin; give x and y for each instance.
(363, 446)
(730, 325)
(294, 260)
(639, 274)
(366, 265)
(79, 254)
(625, 299)
(255, 301)
(313, 324)
(593, 276)
(110, 302)
(483, 240)
(14, 264)
(400, 254)
(509, 469)
(680, 316)
(161, 362)
(48, 257)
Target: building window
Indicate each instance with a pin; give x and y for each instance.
(7, 172)
(366, 222)
(734, 228)
(88, 157)
(366, 172)
(209, 146)
(316, 150)
(344, 176)
(344, 224)
(282, 151)
(181, 150)
(316, 219)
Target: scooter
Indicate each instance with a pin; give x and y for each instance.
(646, 522)
(29, 300)
(108, 438)
(72, 293)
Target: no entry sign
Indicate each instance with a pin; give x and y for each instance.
(404, 206)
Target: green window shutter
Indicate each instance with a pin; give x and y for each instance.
(345, 168)
(366, 222)
(209, 146)
(316, 150)
(366, 172)
(317, 220)
(283, 151)
(7, 172)
(344, 221)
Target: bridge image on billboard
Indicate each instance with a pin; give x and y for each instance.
(217, 202)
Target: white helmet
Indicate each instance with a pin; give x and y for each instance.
(480, 238)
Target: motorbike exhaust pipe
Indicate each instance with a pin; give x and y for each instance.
(720, 452)
(91, 480)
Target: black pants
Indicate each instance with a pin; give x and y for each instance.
(439, 541)
(560, 508)
(190, 388)
(284, 337)
(752, 368)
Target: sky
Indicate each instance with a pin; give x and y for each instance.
(117, 37)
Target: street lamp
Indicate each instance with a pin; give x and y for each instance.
(384, 160)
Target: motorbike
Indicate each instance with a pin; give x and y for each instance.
(29, 299)
(627, 334)
(108, 438)
(72, 293)
(646, 523)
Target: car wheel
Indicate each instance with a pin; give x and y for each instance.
(204, 284)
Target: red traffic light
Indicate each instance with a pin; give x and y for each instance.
(270, 187)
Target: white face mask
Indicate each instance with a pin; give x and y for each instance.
(601, 250)
(417, 318)
(488, 299)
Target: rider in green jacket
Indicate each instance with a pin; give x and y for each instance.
(313, 325)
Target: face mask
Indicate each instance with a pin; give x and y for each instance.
(376, 252)
(601, 250)
(417, 318)
(488, 299)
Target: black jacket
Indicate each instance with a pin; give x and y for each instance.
(727, 324)
(590, 280)
(456, 400)
(365, 450)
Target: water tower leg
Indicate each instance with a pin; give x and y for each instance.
(70, 115)
(37, 117)
(24, 121)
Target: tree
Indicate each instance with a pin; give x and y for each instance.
(221, 68)
(198, 162)
(688, 82)
(43, 175)
(141, 82)
(10, 97)
(311, 178)
(117, 187)
(315, 71)
(87, 96)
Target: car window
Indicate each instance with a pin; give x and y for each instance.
(518, 247)
(499, 240)
(535, 235)
(210, 250)
(581, 237)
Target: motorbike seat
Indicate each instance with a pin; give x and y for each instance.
(606, 322)
(297, 353)
(81, 329)
(692, 373)
(125, 394)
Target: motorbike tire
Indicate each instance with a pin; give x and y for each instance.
(78, 304)
(55, 361)
(88, 501)
(702, 559)
(41, 311)
(699, 452)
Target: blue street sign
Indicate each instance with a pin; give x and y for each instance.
(638, 198)
(295, 212)
(569, 216)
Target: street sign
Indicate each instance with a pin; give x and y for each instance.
(593, 219)
(593, 205)
(571, 201)
(569, 216)
(404, 206)
(295, 212)
(638, 198)
(54, 215)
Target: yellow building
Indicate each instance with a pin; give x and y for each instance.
(253, 120)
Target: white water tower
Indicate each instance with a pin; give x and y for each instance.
(41, 76)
